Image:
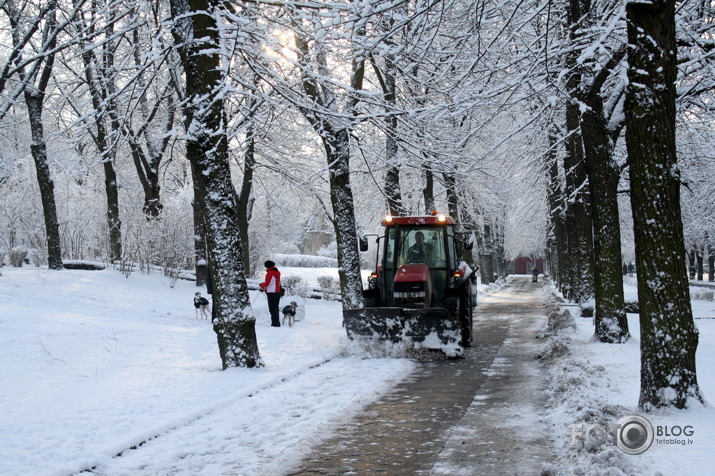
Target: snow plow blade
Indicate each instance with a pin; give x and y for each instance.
(432, 328)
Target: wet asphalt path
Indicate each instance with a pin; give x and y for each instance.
(457, 417)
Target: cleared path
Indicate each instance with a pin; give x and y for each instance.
(478, 415)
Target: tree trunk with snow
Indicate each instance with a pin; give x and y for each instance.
(34, 99)
(148, 174)
(100, 84)
(147, 150)
(387, 79)
(557, 206)
(245, 196)
(337, 151)
(578, 269)
(34, 92)
(201, 259)
(207, 149)
(486, 255)
(450, 185)
(334, 132)
(669, 337)
(428, 189)
(392, 176)
(603, 177)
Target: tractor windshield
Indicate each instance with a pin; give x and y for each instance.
(422, 245)
(419, 244)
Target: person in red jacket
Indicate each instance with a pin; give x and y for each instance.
(272, 287)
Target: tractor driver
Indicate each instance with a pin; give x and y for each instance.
(420, 252)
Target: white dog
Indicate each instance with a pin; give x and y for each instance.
(201, 304)
(289, 312)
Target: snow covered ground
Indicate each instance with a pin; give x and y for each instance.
(96, 364)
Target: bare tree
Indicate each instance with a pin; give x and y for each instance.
(669, 337)
(599, 128)
(150, 138)
(35, 77)
(334, 129)
(197, 36)
(99, 76)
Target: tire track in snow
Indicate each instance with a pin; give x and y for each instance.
(141, 438)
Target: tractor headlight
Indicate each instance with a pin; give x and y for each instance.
(409, 295)
(410, 291)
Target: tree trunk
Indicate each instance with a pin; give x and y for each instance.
(199, 238)
(34, 100)
(557, 206)
(148, 157)
(392, 176)
(245, 199)
(669, 337)
(499, 261)
(579, 268)
(113, 220)
(337, 150)
(148, 174)
(100, 86)
(485, 259)
(335, 136)
(207, 150)
(428, 189)
(611, 322)
(450, 183)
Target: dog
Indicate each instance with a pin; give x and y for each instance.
(289, 312)
(201, 304)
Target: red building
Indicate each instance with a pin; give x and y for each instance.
(524, 265)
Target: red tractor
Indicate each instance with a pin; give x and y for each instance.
(421, 291)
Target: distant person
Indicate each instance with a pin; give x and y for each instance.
(535, 274)
(272, 287)
(625, 269)
(210, 290)
(631, 269)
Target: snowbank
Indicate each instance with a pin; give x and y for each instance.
(594, 386)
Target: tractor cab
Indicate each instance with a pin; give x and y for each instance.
(417, 262)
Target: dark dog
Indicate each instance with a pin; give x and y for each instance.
(201, 304)
(289, 312)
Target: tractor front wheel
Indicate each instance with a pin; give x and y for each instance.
(465, 319)
(460, 309)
